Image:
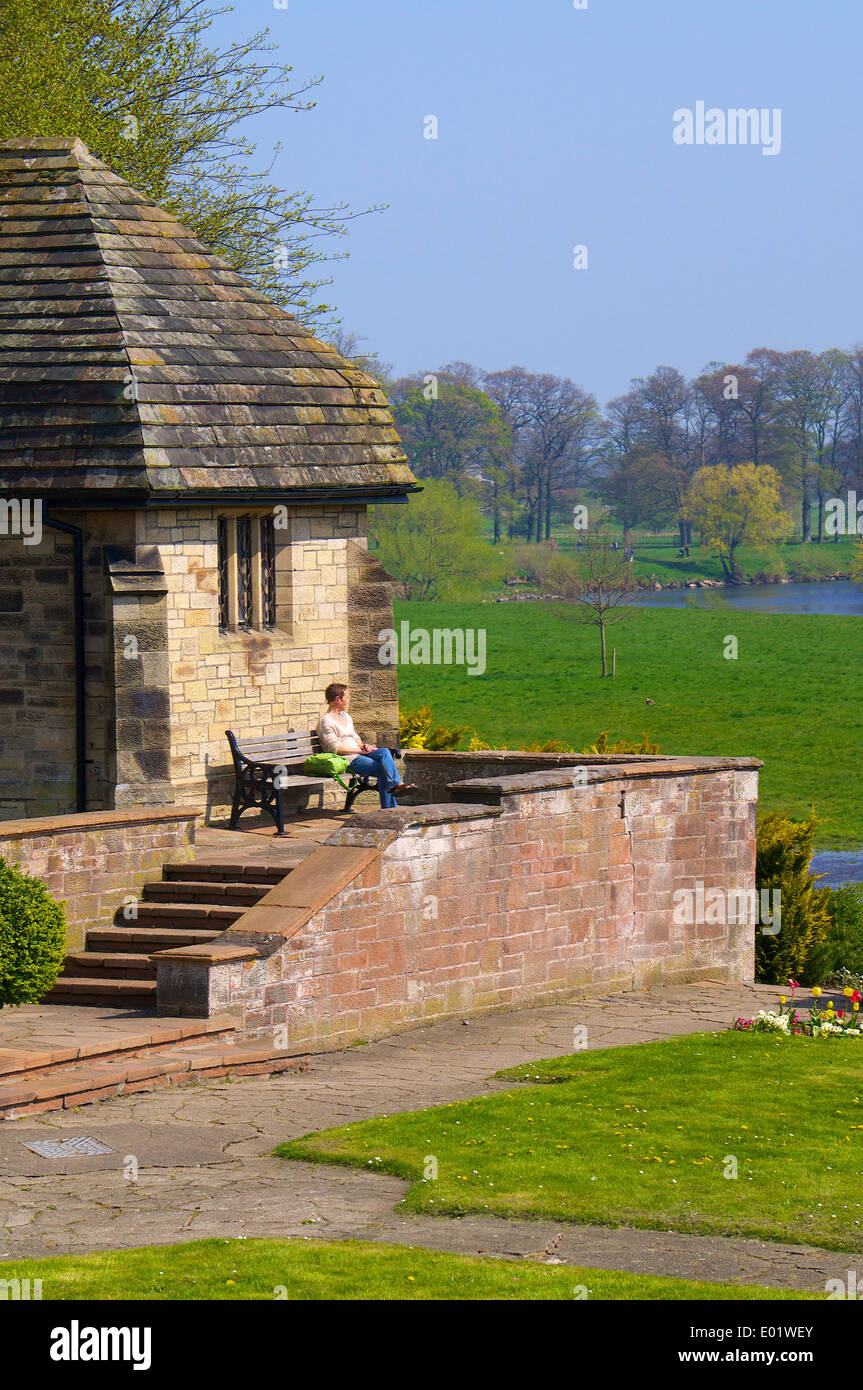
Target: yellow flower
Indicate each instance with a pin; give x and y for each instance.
(847, 991)
(856, 1007)
(782, 999)
(817, 991)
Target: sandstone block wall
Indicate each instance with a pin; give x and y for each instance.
(37, 683)
(546, 888)
(95, 860)
(162, 682)
(260, 682)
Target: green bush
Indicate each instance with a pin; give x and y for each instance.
(783, 857)
(417, 731)
(32, 937)
(842, 947)
(643, 745)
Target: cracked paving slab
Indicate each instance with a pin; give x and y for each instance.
(205, 1167)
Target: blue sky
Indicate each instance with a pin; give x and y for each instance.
(555, 129)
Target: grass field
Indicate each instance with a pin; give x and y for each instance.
(656, 557)
(323, 1270)
(793, 697)
(616, 1140)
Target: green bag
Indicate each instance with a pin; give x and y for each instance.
(325, 765)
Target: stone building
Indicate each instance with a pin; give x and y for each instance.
(184, 478)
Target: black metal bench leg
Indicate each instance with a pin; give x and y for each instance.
(279, 816)
(237, 809)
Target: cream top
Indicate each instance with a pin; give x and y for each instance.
(337, 730)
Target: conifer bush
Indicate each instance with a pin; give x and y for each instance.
(32, 937)
(783, 856)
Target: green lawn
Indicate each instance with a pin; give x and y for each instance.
(656, 557)
(642, 1136)
(324, 1270)
(793, 696)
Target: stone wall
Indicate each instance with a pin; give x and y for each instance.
(435, 773)
(260, 682)
(527, 888)
(162, 682)
(95, 860)
(37, 685)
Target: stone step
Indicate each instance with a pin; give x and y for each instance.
(212, 871)
(175, 914)
(108, 1035)
(189, 891)
(129, 965)
(84, 1083)
(90, 990)
(140, 939)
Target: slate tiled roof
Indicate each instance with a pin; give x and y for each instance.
(134, 363)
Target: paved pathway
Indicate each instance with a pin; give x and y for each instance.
(204, 1166)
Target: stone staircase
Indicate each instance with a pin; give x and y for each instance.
(124, 1054)
(193, 903)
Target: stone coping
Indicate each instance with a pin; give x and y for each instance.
(95, 820)
(354, 847)
(515, 757)
(399, 818)
(282, 912)
(519, 755)
(524, 783)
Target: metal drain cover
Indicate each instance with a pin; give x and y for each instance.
(68, 1148)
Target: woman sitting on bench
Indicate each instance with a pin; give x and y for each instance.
(337, 735)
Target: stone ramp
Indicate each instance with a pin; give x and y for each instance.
(57, 1058)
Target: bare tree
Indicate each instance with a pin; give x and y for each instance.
(603, 581)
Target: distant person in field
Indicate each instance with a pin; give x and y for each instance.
(337, 735)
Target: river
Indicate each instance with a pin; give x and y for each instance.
(838, 596)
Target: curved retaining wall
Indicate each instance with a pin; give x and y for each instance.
(526, 888)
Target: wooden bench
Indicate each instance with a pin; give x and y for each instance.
(266, 768)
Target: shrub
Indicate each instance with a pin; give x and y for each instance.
(417, 731)
(602, 745)
(551, 745)
(842, 947)
(32, 937)
(783, 856)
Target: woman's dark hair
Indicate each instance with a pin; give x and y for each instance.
(334, 692)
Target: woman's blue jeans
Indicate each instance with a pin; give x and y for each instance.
(379, 764)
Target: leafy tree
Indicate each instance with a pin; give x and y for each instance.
(732, 505)
(450, 429)
(640, 490)
(137, 81)
(556, 435)
(433, 545)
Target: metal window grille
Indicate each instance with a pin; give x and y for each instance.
(244, 573)
(268, 571)
(223, 575)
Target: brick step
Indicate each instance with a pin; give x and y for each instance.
(140, 939)
(93, 990)
(191, 891)
(118, 1036)
(182, 915)
(128, 965)
(214, 872)
(84, 1083)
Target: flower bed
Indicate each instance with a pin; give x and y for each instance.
(817, 1023)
